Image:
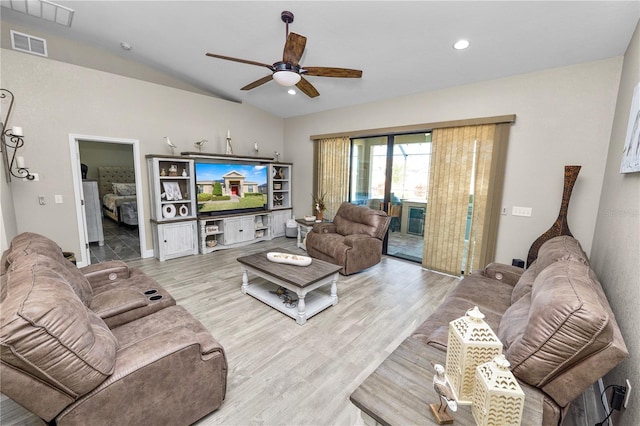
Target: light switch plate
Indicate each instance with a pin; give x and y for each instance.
(521, 211)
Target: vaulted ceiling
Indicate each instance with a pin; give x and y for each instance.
(402, 47)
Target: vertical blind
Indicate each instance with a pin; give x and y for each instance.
(332, 172)
(467, 166)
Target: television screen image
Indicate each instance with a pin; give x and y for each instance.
(229, 187)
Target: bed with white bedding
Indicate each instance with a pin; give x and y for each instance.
(117, 189)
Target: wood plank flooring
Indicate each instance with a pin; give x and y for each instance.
(281, 373)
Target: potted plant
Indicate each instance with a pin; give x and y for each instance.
(319, 205)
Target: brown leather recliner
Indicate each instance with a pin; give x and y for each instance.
(353, 240)
(63, 362)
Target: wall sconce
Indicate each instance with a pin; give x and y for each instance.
(471, 343)
(12, 139)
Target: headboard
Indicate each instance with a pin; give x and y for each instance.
(113, 174)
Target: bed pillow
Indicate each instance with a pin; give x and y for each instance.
(124, 188)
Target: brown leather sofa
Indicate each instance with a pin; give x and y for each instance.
(353, 240)
(558, 331)
(103, 344)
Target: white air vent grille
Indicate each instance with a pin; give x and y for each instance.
(28, 43)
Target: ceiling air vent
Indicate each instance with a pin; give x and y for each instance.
(28, 43)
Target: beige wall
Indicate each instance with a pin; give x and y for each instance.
(564, 116)
(98, 154)
(55, 99)
(8, 225)
(615, 255)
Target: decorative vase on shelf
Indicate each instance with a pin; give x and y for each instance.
(560, 226)
(319, 215)
(173, 170)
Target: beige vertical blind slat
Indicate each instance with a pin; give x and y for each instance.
(448, 201)
(454, 153)
(332, 177)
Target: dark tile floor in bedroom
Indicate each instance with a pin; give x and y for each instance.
(120, 243)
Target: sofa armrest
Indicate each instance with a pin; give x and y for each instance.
(115, 302)
(105, 273)
(325, 228)
(502, 272)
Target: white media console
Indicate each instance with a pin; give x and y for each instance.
(235, 230)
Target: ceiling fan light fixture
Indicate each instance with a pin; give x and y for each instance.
(286, 78)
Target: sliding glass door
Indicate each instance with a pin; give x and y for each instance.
(391, 173)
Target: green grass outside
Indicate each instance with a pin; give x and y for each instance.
(243, 203)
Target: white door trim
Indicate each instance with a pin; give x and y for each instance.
(76, 172)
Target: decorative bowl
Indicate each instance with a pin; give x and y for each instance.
(309, 218)
(212, 243)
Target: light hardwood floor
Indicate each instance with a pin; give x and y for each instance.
(281, 373)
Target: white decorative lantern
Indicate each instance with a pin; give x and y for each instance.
(471, 343)
(497, 397)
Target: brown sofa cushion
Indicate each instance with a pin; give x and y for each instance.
(43, 322)
(68, 273)
(351, 219)
(30, 243)
(564, 247)
(514, 321)
(523, 286)
(568, 320)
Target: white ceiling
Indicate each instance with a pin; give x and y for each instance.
(402, 47)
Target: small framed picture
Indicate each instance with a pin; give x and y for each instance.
(277, 186)
(631, 152)
(172, 189)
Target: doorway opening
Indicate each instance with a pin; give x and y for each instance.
(107, 184)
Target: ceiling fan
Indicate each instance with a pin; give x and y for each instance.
(289, 72)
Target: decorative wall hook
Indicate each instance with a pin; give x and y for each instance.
(12, 138)
(229, 150)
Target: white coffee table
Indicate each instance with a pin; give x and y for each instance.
(305, 282)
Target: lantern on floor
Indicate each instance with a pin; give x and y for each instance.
(498, 399)
(471, 343)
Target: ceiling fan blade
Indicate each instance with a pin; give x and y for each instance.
(331, 72)
(307, 88)
(244, 61)
(257, 83)
(294, 48)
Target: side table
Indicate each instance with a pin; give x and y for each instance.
(303, 228)
(400, 390)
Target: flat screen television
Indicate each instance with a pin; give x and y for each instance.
(230, 187)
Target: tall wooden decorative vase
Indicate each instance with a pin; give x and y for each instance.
(560, 226)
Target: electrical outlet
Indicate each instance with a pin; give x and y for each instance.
(58, 198)
(626, 395)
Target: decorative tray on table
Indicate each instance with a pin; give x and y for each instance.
(291, 259)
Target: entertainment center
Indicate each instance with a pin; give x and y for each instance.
(206, 202)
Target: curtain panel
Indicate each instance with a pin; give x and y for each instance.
(331, 176)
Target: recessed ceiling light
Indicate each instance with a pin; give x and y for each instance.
(461, 44)
(291, 92)
(126, 46)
